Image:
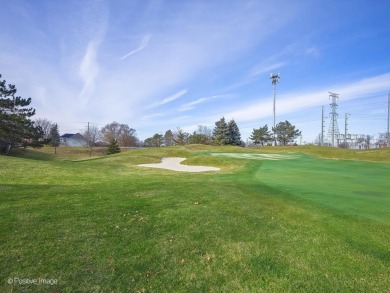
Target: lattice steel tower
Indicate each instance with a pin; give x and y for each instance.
(333, 127)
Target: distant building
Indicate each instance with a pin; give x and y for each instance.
(73, 140)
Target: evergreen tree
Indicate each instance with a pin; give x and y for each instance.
(285, 132)
(113, 147)
(54, 137)
(220, 132)
(261, 135)
(234, 136)
(16, 128)
(158, 139)
(180, 137)
(168, 138)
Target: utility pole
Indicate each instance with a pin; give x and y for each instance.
(322, 127)
(346, 130)
(388, 120)
(275, 79)
(334, 128)
(88, 139)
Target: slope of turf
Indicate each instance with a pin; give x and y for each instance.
(105, 225)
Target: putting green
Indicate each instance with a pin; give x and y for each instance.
(254, 156)
(355, 188)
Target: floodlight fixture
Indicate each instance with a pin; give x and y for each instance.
(274, 78)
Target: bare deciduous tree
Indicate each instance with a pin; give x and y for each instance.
(122, 133)
(46, 125)
(92, 135)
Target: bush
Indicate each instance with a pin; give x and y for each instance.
(113, 147)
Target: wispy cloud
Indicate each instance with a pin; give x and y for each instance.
(144, 43)
(89, 70)
(173, 97)
(191, 105)
(169, 99)
(152, 116)
(90, 27)
(267, 68)
(313, 51)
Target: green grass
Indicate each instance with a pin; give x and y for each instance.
(308, 224)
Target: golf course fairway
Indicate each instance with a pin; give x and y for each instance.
(297, 219)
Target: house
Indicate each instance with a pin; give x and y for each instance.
(73, 140)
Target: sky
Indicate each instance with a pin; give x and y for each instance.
(157, 65)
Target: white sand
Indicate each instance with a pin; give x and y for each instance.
(174, 165)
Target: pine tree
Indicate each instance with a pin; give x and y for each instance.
(168, 138)
(180, 137)
(113, 147)
(261, 135)
(54, 137)
(15, 124)
(286, 132)
(220, 132)
(234, 136)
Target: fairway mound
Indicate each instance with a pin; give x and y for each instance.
(173, 164)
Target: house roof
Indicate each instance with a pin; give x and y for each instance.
(73, 135)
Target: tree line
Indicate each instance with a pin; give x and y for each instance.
(226, 133)
(283, 133)
(18, 129)
(223, 134)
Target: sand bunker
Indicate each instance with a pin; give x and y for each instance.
(174, 165)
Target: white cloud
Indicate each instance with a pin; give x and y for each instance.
(267, 68)
(191, 105)
(144, 43)
(89, 70)
(169, 99)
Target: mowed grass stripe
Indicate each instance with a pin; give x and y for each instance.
(106, 225)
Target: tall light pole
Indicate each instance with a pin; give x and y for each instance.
(275, 79)
(388, 121)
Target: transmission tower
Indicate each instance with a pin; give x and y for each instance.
(333, 127)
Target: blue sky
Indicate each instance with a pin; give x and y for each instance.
(158, 65)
